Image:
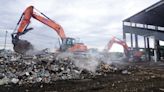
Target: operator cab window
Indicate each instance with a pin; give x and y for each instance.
(70, 41)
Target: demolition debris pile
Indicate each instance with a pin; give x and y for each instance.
(21, 69)
(32, 69)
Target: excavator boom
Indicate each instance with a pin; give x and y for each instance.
(29, 12)
(118, 41)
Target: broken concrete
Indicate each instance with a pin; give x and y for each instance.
(48, 67)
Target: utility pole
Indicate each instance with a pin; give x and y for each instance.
(5, 39)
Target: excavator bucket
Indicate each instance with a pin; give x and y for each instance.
(21, 46)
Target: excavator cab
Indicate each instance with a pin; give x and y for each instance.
(70, 44)
(69, 41)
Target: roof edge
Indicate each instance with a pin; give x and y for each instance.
(147, 9)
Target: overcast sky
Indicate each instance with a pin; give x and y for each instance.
(93, 21)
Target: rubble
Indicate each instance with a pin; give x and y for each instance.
(31, 69)
(107, 68)
(48, 67)
(34, 72)
(3, 81)
(126, 72)
(14, 80)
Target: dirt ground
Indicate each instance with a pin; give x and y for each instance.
(142, 77)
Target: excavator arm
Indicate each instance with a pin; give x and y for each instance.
(118, 41)
(25, 21)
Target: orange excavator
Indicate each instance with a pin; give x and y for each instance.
(136, 55)
(68, 43)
